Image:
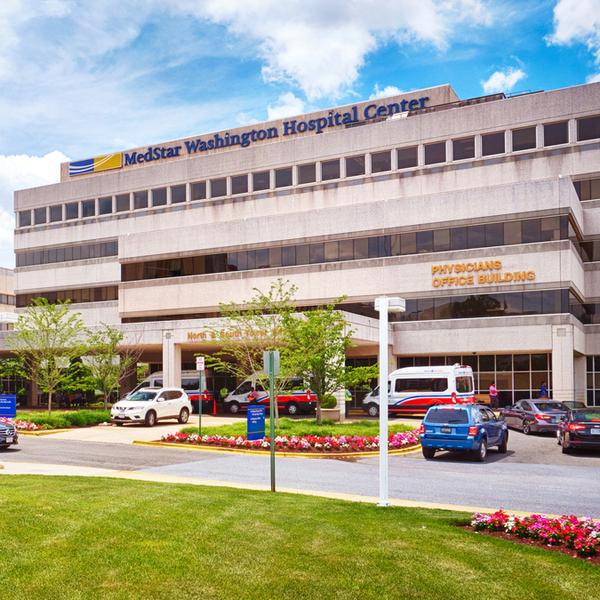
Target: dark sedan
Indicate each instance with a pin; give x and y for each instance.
(580, 429)
(534, 415)
(8, 435)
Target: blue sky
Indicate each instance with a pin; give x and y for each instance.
(79, 78)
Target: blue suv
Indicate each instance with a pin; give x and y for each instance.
(461, 427)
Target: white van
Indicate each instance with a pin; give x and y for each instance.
(415, 389)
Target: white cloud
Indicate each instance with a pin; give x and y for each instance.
(503, 81)
(18, 172)
(593, 78)
(287, 105)
(388, 90)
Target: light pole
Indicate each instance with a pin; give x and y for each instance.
(383, 305)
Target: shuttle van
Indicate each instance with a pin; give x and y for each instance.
(415, 389)
(190, 383)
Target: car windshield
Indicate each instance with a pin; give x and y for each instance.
(591, 415)
(447, 415)
(550, 406)
(142, 396)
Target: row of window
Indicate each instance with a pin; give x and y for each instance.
(588, 189)
(593, 380)
(377, 162)
(7, 299)
(587, 313)
(95, 294)
(67, 253)
(438, 240)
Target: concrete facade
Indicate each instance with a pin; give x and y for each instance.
(470, 192)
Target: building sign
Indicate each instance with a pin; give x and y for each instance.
(255, 423)
(244, 139)
(483, 272)
(8, 406)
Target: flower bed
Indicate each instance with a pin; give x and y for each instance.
(21, 425)
(305, 443)
(581, 535)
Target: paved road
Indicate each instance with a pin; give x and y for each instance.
(532, 476)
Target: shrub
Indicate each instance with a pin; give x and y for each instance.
(80, 418)
(329, 401)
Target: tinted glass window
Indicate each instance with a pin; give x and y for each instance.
(330, 169)
(523, 139)
(140, 199)
(198, 190)
(464, 385)
(24, 218)
(588, 415)
(177, 194)
(531, 231)
(283, 177)
(424, 241)
(512, 232)
(381, 161)
(355, 165)
(260, 181)
(476, 236)
(425, 384)
(407, 157)
(239, 184)
(441, 240)
(588, 128)
(56, 213)
(494, 234)
(447, 415)
(159, 197)
(492, 143)
(464, 148)
(122, 202)
(88, 208)
(435, 153)
(307, 173)
(39, 215)
(556, 133)
(218, 187)
(105, 206)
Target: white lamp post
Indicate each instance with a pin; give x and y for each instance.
(383, 305)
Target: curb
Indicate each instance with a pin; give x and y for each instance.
(278, 452)
(41, 432)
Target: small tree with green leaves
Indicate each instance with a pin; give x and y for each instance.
(46, 338)
(12, 369)
(108, 360)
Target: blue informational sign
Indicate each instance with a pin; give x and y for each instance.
(8, 406)
(256, 422)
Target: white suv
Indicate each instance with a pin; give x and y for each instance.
(149, 405)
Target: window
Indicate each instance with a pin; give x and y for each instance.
(140, 199)
(448, 415)
(512, 232)
(424, 241)
(523, 139)
(218, 187)
(122, 202)
(307, 173)
(177, 194)
(494, 234)
(464, 148)
(556, 133)
(159, 197)
(330, 169)
(283, 177)
(588, 128)
(198, 190)
(492, 143)
(476, 236)
(260, 181)
(24, 218)
(441, 240)
(530, 231)
(56, 213)
(316, 253)
(355, 165)
(381, 161)
(39, 215)
(435, 153)
(426, 384)
(587, 189)
(407, 157)
(239, 184)
(464, 385)
(105, 205)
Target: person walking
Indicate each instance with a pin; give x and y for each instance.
(544, 390)
(493, 391)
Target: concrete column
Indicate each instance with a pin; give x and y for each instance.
(271, 179)
(295, 175)
(169, 196)
(171, 354)
(188, 191)
(228, 186)
(539, 136)
(394, 159)
(208, 190)
(250, 183)
(478, 145)
(318, 172)
(369, 163)
(572, 131)
(420, 155)
(580, 377)
(449, 151)
(342, 168)
(563, 372)
(508, 141)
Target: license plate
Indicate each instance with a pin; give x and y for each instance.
(595, 431)
(9, 440)
(446, 429)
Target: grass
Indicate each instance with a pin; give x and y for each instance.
(60, 419)
(304, 427)
(74, 538)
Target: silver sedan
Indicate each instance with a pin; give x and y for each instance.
(534, 415)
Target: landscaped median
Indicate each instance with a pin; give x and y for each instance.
(304, 437)
(34, 422)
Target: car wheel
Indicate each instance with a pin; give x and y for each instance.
(292, 409)
(3, 447)
(373, 410)
(481, 452)
(118, 424)
(184, 415)
(428, 453)
(150, 420)
(526, 428)
(234, 408)
(503, 447)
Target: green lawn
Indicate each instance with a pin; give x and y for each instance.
(305, 427)
(65, 418)
(68, 538)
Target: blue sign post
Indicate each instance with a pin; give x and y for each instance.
(8, 406)
(256, 422)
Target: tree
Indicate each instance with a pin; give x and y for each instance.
(315, 349)
(46, 338)
(109, 362)
(12, 369)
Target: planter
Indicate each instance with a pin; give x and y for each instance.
(331, 414)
